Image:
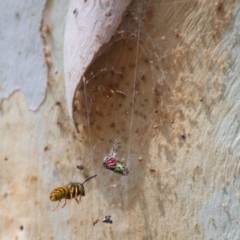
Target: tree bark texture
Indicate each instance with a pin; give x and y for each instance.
(162, 77)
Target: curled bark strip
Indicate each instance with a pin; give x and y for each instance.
(89, 25)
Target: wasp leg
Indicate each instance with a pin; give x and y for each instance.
(76, 199)
(71, 193)
(57, 205)
(64, 203)
(76, 192)
(79, 198)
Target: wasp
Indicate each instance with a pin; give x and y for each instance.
(72, 190)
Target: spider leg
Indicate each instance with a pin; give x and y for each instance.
(64, 203)
(109, 95)
(57, 205)
(98, 107)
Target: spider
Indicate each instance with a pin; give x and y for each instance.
(101, 90)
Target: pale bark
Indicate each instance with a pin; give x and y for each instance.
(169, 94)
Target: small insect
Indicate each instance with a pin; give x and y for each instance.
(95, 222)
(72, 190)
(107, 219)
(112, 163)
(80, 167)
(182, 135)
(58, 103)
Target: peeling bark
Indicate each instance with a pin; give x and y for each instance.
(16, 46)
(166, 85)
(89, 26)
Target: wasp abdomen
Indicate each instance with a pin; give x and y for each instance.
(60, 193)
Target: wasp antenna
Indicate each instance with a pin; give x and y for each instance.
(89, 178)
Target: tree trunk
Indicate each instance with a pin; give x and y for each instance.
(161, 77)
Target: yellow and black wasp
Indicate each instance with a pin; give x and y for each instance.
(72, 190)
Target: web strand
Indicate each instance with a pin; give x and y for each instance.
(134, 89)
(88, 119)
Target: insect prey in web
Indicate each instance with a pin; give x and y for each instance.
(112, 163)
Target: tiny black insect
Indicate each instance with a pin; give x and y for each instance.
(107, 219)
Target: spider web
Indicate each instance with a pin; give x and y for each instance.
(135, 91)
(125, 95)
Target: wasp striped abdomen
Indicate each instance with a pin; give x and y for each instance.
(60, 193)
(72, 190)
